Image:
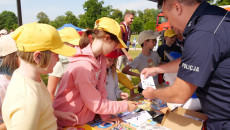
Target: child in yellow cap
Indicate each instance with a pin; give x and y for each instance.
(27, 104)
(82, 88)
(169, 46)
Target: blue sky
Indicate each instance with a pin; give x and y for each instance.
(54, 8)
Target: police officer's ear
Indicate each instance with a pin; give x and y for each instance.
(177, 7)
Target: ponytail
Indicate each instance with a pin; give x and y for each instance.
(84, 41)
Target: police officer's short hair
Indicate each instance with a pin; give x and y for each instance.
(186, 2)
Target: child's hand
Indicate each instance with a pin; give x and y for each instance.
(111, 120)
(132, 106)
(69, 116)
(124, 96)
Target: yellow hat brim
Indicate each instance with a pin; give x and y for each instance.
(75, 42)
(122, 44)
(65, 50)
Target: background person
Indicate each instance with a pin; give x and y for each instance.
(169, 46)
(126, 35)
(204, 66)
(112, 87)
(8, 63)
(3, 32)
(147, 57)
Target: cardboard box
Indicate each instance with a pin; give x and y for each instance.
(183, 119)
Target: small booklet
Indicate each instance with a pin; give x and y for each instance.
(137, 118)
(148, 82)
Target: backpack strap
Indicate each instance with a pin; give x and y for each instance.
(123, 27)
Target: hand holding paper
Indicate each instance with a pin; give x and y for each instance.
(148, 82)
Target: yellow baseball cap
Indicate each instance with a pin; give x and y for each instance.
(40, 37)
(169, 33)
(70, 35)
(111, 26)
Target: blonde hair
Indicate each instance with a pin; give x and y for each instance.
(96, 33)
(28, 56)
(9, 64)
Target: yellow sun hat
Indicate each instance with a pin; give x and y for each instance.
(40, 37)
(70, 35)
(111, 26)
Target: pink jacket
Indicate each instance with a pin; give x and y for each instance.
(82, 89)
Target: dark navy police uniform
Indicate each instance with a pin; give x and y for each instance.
(205, 62)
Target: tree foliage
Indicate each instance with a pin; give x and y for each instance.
(93, 11)
(58, 22)
(43, 18)
(116, 15)
(71, 18)
(137, 25)
(150, 25)
(8, 20)
(222, 2)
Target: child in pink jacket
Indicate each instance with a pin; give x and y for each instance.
(82, 88)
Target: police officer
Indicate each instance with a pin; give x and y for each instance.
(205, 63)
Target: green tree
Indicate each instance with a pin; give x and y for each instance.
(222, 2)
(71, 18)
(149, 15)
(43, 18)
(8, 20)
(58, 22)
(93, 11)
(137, 25)
(149, 18)
(150, 25)
(82, 23)
(140, 14)
(116, 15)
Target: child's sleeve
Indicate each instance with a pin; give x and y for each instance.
(117, 90)
(134, 63)
(25, 113)
(86, 82)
